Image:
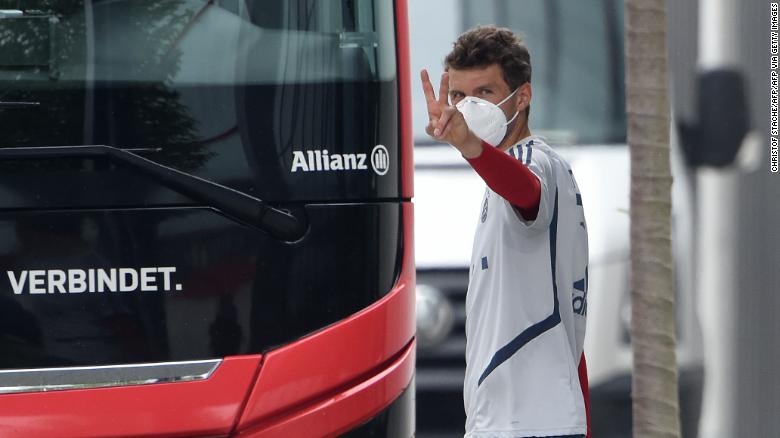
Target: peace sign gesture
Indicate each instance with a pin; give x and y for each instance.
(435, 106)
(445, 122)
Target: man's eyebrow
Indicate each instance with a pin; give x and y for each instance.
(489, 85)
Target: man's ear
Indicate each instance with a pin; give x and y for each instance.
(524, 93)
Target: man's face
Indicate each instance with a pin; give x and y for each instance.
(486, 83)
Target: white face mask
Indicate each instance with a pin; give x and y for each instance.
(485, 119)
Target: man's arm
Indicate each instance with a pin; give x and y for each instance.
(583, 373)
(510, 179)
(505, 175)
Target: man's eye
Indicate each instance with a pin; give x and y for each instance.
(485, 92)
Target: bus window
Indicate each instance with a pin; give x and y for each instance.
(286, 101)
(294, 103)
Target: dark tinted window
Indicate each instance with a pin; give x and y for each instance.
(231, 91)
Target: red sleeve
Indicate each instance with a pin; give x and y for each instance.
(583, 372)
(509, 178)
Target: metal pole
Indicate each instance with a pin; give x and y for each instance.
(715, 271)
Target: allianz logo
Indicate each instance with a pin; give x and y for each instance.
(320, 160)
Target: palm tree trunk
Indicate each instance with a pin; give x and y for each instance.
(654, 382)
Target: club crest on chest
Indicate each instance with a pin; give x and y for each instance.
(484, 214)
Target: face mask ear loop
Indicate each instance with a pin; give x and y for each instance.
(513, 118)
(507, 98)
(516, 112)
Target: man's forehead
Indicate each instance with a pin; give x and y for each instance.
(489, 76)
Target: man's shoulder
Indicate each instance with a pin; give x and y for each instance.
(536, 149)
(541, 144)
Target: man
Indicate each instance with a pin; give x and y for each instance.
(525, 305)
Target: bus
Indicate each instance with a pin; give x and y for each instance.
(206, 225)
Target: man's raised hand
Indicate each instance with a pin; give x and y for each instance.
(435, 106)
(445, 122)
